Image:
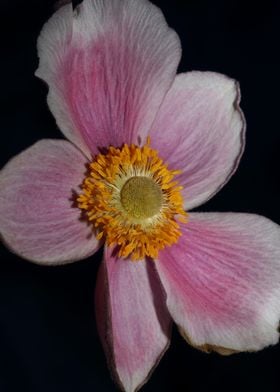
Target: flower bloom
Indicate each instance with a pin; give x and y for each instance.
(144, 146)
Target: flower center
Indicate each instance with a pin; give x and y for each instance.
(132, 201)
(141, 197)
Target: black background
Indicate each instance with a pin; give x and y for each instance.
(48, 337)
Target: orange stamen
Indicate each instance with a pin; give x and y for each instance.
(132, 201)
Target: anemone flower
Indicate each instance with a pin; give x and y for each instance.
(144, 146)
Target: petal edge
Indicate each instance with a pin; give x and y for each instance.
(222, 280)
(37, 218)
(137, 324)
(200, 130)
(105, 89)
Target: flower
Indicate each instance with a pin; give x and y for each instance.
(144, 146)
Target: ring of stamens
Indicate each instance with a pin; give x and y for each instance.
(132, 200)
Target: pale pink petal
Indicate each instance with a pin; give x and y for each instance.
(200, 130)
(108, 66)
(132, 318)
(38, 217)
(222, 281)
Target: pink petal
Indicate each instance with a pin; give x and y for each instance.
(108, 67)
(38, 219)
(132, 318)
(222, 281)
(200, 130)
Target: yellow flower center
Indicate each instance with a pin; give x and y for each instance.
(133, 202)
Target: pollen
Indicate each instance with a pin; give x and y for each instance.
(132, 201)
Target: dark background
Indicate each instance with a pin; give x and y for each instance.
(48, 337)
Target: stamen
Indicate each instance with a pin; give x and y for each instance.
(133, 202)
